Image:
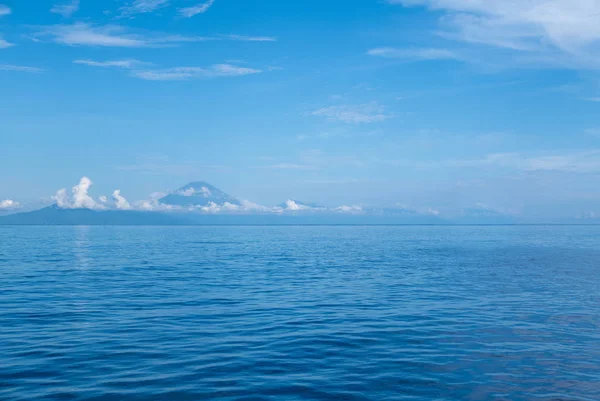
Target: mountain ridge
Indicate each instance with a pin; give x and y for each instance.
(198, 193)
(200, 202)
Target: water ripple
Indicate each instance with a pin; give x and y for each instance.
(300, 313)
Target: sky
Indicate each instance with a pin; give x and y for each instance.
(443, 105)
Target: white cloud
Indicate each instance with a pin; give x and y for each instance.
(184, 73)
(19, 68)
(80, 198)
(84, 34)
(228, 70)
(61, 198)
(187, 192)
(158, 195)
(349, 209)
(230, 207)
(5, 44)
(251, 207)
(9, 204)
(251, 38)
(414, 54)
(120, 202)
(365, 113)
(103, 199)
(197, 9)
(4, 10)
(143, 6)
(555, 29)
(126, 63)
(153, 205)
(66, 9)
(254, 207)
(212, 207)
(169, 74)
(291, 204)
(587, 161)
(204, 191)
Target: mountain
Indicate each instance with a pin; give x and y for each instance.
(200, 203)
(198, 193)
(53, 215)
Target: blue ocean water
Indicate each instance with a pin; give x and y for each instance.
(300, 313)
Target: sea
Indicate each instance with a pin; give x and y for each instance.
(300, 313)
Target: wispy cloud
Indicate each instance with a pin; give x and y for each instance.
(201, 8)
(563, 31)
(414, 54)
(126, 63)
(66, 9)
(592, 132)
(161, 164)
(20, 68)
(139, 70)
(184, 73)
(251, 38)
(594, 99)
(4, 44)
(143, 6)
(4, 10)
(364, 113)
(584, 162)
(83, 34)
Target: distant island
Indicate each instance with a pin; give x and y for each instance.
(200, 203)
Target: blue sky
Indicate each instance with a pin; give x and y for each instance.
(437, 105)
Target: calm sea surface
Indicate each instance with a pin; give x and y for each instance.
(300, 313)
